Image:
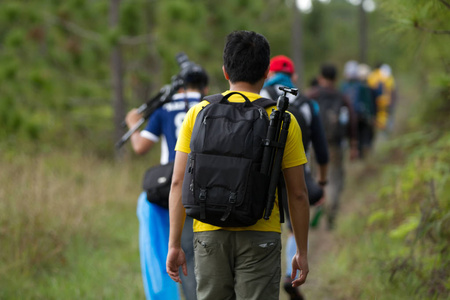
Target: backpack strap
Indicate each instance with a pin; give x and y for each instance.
(213, 98)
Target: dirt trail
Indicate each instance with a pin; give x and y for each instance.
(323, 242)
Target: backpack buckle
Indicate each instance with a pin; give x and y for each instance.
(232, 198)
(202, 195)
(231, 202)
(202, 200)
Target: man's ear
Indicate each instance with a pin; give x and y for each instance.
(225, 73)
(270, 74)
(267, 72)
(294, 77)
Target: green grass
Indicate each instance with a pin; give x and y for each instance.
(393, 237)
(68, 228)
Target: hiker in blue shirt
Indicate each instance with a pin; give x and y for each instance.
(164, 124)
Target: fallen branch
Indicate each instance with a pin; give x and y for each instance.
(445, 3)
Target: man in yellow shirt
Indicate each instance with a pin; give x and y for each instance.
(241, 262)
(382, 82)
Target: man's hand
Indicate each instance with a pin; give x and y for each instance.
(299, 263)
(175, 259)
(321, 200)
(132, 117)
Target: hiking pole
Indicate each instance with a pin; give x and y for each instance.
(281, 121)
(147, 109)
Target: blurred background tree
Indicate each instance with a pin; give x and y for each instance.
(70, 70)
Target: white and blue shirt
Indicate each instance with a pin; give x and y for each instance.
(166, 121)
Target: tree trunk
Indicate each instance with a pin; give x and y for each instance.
(117, 79)
(297, 45)
(362, 34)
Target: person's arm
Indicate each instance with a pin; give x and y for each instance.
(299, 213)
(140, 144)
(323, 173)
(177, 214)
(319, 142)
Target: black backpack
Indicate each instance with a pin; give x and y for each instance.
(223, 185)
(305, 125)
(360, 96)
(156, 184)
(331, 104)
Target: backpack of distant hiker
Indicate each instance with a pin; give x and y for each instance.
(360, 97)
(223, 185)
(366, 104)
(334, 114)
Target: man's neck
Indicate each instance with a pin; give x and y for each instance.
(246, 87)
(188, 90)
(327, 84)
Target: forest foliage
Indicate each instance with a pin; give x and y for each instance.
(55, 56)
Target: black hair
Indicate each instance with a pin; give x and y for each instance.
(246, 56)
(328, 71)
(195, 77)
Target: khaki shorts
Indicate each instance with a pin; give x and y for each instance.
(237, 264)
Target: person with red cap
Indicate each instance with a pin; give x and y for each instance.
(306, 112)
(281, 72)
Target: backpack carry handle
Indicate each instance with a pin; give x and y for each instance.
(225, 99)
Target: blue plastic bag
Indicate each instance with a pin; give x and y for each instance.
(153, 247)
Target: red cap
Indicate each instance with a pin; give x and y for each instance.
(281, 63)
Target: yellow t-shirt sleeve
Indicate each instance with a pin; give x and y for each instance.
(294, 152)
(184, 136)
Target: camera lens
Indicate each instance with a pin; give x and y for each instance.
(182, 60)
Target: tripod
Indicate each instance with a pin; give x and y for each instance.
(275, 144)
